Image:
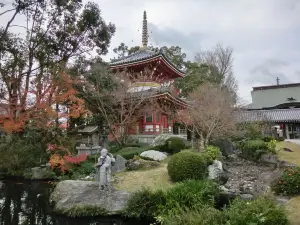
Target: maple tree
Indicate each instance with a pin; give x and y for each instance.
(32, 64)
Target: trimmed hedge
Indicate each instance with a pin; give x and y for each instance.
(130, 152)
(173, 145)
(187, 165)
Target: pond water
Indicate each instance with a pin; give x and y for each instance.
(27, 203)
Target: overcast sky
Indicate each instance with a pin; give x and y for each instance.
(265, 34)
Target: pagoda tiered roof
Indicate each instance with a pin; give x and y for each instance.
(144, 56)
(162, 68)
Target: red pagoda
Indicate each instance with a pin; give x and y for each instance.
(158, 82)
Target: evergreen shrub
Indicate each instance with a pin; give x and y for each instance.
(288, 183)
(190, 194)
(262, 211)
(213, 152)
(173, 145)
(187, 165)
(253, 149)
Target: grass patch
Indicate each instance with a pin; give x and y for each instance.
(154, 179)
(83, 211)
(293, 209)
(292, 157)
(293, 206)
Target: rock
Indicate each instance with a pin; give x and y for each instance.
(282, 200)
(38, 173)
(216, 172)
(287, 150)
(70, 194)
(269, 159)
(161, 139)
(120, 164)
(138, 163)
(265, 179)
(154, 155)
(226, 146)
(246, 196)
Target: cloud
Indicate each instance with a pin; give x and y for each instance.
(263, 33)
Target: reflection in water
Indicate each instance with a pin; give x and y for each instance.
(28, 204)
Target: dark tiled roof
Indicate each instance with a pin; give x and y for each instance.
(137, 56)
(155, 92)
(276, 86)
(272, 115)
(141, 55)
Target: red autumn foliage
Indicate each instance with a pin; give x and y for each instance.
(46, 102)
(75, 159)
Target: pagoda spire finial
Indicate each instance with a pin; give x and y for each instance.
(145, 31)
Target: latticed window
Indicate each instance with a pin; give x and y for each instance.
(149, 118)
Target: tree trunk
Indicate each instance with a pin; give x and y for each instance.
(201, 142)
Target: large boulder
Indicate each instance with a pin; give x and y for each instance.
(137, 163)
(154, 155)
(226, 146)
(216, 172)
(270, 159)
(161, 139)
(72, 196)
(120, 164)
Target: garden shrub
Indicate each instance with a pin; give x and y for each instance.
(213, 152)
(253, 149)
(187, 195)
(187, 165)
(280, 139)
(144, 204)
(267, 138)
(288, 183)
(130, 152)
(161, 139)
(203, 216)
(272, 146)
(173, 145)
(85, 168)
(262, 211)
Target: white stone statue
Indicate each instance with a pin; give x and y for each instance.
(103, 175)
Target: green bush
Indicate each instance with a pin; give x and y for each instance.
(288, 183)
(188, 195)
(253, 149)
(267, 138)
(272, 146)
(85, 168)
(187, 165)
(213, 152)
(203, 216)
(130, 152)
(262, 211)
(191, 194)
(280, 139)
(173, 145)
(144, 204)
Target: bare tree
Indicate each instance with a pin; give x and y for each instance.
(220, 60)
(118, 98)
(210, 113)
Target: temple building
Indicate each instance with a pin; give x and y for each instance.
(158, 83)
(278, 104)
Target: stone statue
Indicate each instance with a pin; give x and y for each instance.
(103, 167)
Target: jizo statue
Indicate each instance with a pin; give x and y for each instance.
(103, 167)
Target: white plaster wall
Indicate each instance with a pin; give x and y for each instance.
(273, 97)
